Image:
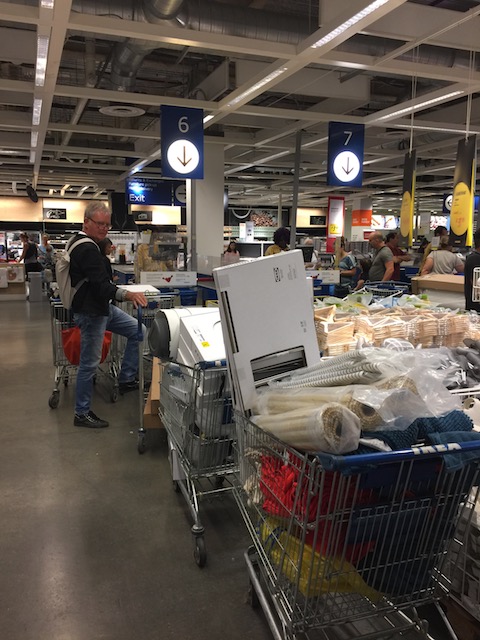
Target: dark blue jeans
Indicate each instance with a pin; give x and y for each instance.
(92, 330)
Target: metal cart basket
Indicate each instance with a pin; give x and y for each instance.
(196, 410)
(65, 371)
(387, 288)
(351, 542)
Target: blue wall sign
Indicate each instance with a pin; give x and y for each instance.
(181, 137)
(345, 154)
(140, 190)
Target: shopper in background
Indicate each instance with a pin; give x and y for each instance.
(365, 264)
(231, 253)
(439, 232)
(106, 249)
(281, 239)
(398, 254)
(29, 255)
(443, 261)
(472, 262)
(94, 314)
(312, 264)
(45, 252)
(347, 265)
(382, 263)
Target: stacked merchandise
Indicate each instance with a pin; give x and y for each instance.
(421, 327)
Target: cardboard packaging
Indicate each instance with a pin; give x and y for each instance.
(151, 418)
(440, 282)
(267, 321)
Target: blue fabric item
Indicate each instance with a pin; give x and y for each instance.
(455, 461)
(421, 428)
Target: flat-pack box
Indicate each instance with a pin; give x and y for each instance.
(267, 321)
(200, 339)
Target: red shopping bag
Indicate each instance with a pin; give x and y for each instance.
(71, 344)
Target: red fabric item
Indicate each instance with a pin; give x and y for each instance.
(71, 344)
(284, 499)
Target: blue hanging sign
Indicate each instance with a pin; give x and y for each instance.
(181, 137)
(345, 154)
(140, 190)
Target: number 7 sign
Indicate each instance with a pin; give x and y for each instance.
(345, 154)
(181, 139)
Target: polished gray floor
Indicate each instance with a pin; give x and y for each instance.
(94, 542)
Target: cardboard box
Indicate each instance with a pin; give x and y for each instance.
(267, 321)
(440, 282)
(201, 339)
(151, 418)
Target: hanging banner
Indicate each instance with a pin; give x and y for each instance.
(408, 199)
(336, 219)
(461, 213)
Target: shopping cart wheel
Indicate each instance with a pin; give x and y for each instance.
(200, 552)
(54, 400)
(114, 395)
(141, 441)
(66, 381)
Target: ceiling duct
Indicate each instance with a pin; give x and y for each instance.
(208, 16)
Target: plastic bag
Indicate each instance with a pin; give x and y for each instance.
(71, 344)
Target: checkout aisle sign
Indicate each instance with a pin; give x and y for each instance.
(461, 214)
(408, 199)
(181, 137)
(345, 154)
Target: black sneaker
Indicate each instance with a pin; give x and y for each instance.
(125, 387)
(89, 420)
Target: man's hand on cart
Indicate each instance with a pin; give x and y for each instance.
(138, 299)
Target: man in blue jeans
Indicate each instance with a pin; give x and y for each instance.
(94, 314)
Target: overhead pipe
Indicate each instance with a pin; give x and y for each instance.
(204, 16)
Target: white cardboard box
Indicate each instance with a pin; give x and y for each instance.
(267, 320)
(200, 339)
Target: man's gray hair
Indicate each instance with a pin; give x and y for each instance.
(94, 206)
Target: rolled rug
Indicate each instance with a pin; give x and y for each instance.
(332, 428)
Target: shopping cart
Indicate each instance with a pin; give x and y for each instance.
(65, 370)
(352, 542)
(146, 317)
(387, 288)
(196, 410)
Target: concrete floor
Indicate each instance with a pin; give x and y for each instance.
(95, 544)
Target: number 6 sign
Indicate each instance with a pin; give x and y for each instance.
(181, 138)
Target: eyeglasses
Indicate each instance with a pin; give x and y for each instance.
(101, 225)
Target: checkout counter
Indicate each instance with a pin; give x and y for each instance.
(446, 290)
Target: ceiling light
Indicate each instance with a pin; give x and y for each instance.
(63, 189)
(14, 188)
(208, 118)
(349, 23)
(82, 190)
(33, 155)
(427, 103)
(51, 192)
(122, 111)
(37, 111)
(33, 138)
(41, 65)
(47, 4)
(261, 83)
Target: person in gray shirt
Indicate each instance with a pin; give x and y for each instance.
(443, 261)
(382, 264)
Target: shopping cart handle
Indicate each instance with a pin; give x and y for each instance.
(339, 463)
(210, 364)
(140, 325)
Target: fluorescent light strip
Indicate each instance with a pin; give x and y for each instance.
(47, 4)
(33, 155)
(208, 118)
(42, 55)
(349, 23)
(257, 85)
(439, 129)
(37, 111)
(34, 138)
(427, 103)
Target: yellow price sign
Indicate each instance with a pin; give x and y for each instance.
(333, 229)
(205, 344)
